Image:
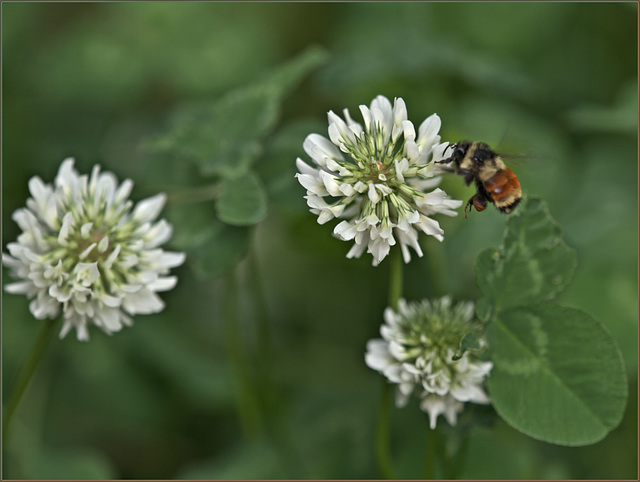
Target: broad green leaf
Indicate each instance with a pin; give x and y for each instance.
(221, 138)
(289, 75)
(558, 375)
(471, 341)
(223, 247)
(231, 138)
(484, 309)
(533, 263)
(213, 247)
(278, 165)
(225, 137)
(242, 201)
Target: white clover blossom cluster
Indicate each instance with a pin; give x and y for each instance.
(85, 252)
(417, 351)
(376, 178)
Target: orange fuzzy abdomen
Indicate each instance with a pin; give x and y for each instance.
(504, 189)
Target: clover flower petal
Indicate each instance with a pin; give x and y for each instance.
(417, 352)
(85, 253)
(377, 179)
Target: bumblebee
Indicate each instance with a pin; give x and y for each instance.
(495, 182)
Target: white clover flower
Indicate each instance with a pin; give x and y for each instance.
(417, 352)
(378, 178)
(84, 252)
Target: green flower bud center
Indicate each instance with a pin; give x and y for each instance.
(432, 333)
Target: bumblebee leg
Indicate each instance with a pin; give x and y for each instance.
(467, 207)
(447, 169)
(477, 202)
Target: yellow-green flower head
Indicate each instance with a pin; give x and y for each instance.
(417, 352)
(379, 178)
(86, 253)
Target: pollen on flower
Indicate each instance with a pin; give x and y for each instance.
(85, 254)
(379, 178)
(418, 350)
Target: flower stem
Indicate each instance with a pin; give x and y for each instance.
(25, 376)
(248, 406)
(436, 268)
(264, 350)
(383, 449)
(455, 464)
(272, 400)
(395, 279)
(432, 446)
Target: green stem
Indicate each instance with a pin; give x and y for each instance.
(264, 348)
(25, 376)
(395, 279)
(248, 406)
(436, 267)
(383, 449)
(432, 447)
(286, 451)
(455, 464)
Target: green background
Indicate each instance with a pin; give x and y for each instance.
(556, 82)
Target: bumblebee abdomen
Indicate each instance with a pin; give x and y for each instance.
(510, 207)
(504, 190)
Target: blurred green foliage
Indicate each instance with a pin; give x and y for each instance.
(97, 81)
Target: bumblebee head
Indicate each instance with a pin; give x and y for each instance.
(474, 160)
(459, 152)
(476, 157)
(481, 152)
